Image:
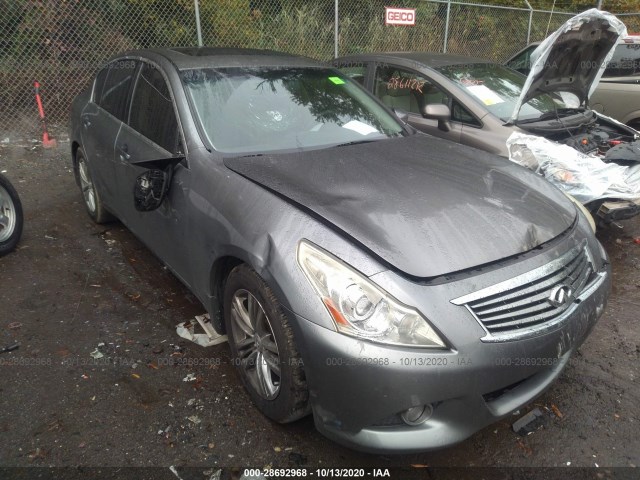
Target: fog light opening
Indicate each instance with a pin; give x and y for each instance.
(417, 415)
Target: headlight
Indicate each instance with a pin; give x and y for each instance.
(359, 307)
(583, 209)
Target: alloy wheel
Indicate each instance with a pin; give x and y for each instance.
(86, 185)
(257, 348)
(7, 215)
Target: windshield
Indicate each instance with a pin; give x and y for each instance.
(266, 109)
(497, 88)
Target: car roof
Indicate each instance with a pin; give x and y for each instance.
(433, 60)
(185, 58)
(629, 39)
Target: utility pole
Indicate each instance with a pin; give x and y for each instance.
(446, 27)
(336, 35)
(196, 6)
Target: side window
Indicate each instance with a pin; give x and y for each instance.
(355, 72)
(99, 85)
(152, 114)
(406, 90)
(462, 115)
(115, 90)
(625, 61)
(522, 63)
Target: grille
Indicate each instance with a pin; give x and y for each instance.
(525, 301)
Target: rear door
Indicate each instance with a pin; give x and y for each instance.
(408, 91)
(101, 120)
(152, 132)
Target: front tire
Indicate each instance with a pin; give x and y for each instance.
(263, 348)
(11, 217)
(90, 195)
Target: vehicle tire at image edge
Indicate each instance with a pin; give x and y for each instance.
(11, 217)
(263, 347)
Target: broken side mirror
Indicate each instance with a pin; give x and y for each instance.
(150, 189)
(402, 115)
(151, 186)
(440, 112)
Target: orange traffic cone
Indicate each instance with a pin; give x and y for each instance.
(47, 142)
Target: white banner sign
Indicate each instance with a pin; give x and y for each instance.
(399, 16)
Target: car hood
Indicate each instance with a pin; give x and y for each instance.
(421, 205)
(573, 58)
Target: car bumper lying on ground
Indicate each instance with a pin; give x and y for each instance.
(359, 390)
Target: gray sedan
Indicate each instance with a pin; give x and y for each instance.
(405, 290)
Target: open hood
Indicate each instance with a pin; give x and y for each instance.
(424, 206)
(573, 58)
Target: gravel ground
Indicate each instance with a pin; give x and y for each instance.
(74, 288)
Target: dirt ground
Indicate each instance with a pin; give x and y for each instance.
(73, 288)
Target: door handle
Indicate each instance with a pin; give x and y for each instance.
(85, 121)
(124, 152)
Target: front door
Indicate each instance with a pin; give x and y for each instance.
(152, 133)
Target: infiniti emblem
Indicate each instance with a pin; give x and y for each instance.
(559, 295)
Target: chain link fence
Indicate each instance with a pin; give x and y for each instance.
(62, 43)
(632, 21)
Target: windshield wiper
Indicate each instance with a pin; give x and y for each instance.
(555, 115)
(355, 142)
(565, 111)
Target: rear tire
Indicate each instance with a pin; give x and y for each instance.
(11, 217)
(92, 201)
(263, 348)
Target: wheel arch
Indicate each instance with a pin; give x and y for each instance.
(218, 275)
(219, 272)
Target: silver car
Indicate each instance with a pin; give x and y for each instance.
(482, 104)
(404, 290)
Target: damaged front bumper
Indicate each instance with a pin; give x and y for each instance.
(362, 392)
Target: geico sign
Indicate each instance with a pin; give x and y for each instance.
(399, 16)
